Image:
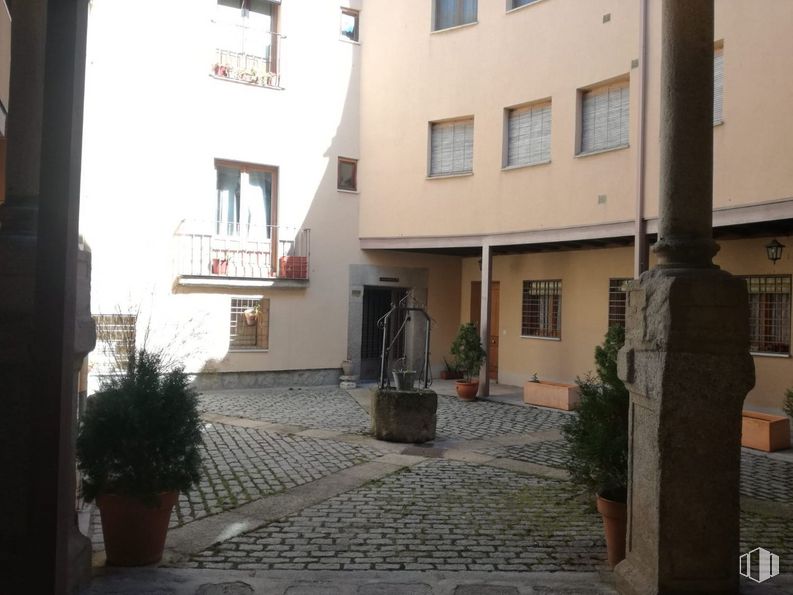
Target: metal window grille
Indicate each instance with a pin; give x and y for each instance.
(541, 312)
(618, 301)
(769, 313)
(248, 332)
(115, 341)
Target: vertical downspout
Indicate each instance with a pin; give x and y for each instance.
(641, 253)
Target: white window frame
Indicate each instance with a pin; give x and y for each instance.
(458, 19)
(356, 14)
(451, 147)
(527, 134)
(604, 117)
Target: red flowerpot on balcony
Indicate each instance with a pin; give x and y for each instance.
(293, 267)
(219, 266)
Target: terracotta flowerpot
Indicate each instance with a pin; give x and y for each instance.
(466, 390)
(134, 533)
(615, 523)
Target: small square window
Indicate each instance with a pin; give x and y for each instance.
(512, 4)
(769, 313)
(349, 24)
(249, 323)
(348, 174)
(451, 147)
(453, 13)
(605, 117)
(115, 342)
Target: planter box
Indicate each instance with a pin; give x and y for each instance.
(765, 432)
(551, 394)
(293, 267)
(404, 415)
(451, 375)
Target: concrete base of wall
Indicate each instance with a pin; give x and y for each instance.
(272, 379)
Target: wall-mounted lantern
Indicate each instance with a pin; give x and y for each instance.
(774, 250)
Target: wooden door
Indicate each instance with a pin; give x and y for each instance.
(476, 310)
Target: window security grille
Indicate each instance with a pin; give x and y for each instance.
(541, 312)
(618, 301)
(115, 342)
(769, 313)
(246, 332)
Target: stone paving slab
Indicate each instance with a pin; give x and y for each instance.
(438, 515)
(171, 581)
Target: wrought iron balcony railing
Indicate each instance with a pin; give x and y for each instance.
(233, 250)
(261, 66)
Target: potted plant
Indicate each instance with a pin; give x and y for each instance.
(468, 357)
(404, 375)
(251, 315)
(597, 442)
(137, 447)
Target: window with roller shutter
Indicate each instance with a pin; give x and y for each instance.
(718, 85)
(528, 135)
(451, 147)
(604, 117)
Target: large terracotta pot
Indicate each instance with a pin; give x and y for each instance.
(615, 522)
(466, 390)
(134, 533)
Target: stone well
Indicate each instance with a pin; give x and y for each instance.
(404, 415)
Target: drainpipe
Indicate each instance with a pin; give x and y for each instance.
(641, 253)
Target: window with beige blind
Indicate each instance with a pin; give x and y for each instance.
(604, 117)
(451, 147)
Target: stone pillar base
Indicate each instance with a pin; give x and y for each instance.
(686, 363)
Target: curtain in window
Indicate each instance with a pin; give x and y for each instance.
(451, 13)
(228, 188)
(257, 193)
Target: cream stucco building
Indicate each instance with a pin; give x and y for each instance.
(319, 159)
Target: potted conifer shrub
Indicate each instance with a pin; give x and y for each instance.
(468, 356)
(137, 447)
(597, 442)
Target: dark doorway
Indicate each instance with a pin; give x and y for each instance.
(376, 303)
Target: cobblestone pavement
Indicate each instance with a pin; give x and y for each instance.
(547, 452)
(326, 408)
(486, 419)
(766, 479)
(438, 515)
(333, 409)
(244, 464)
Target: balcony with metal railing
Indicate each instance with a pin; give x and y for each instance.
(232, 254)
(245, 61)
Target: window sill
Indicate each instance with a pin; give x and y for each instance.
(541, 338)
(601, 151)
(524, 165)
(251, 350)
(517, 8)
(775, 355)
(350, 41)
(454, 28)
(447, 176)
(342, 190)
(719, 123)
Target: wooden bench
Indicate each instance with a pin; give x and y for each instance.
(762, 431)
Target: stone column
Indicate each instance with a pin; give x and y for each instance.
(686, 357)
(484, 318)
